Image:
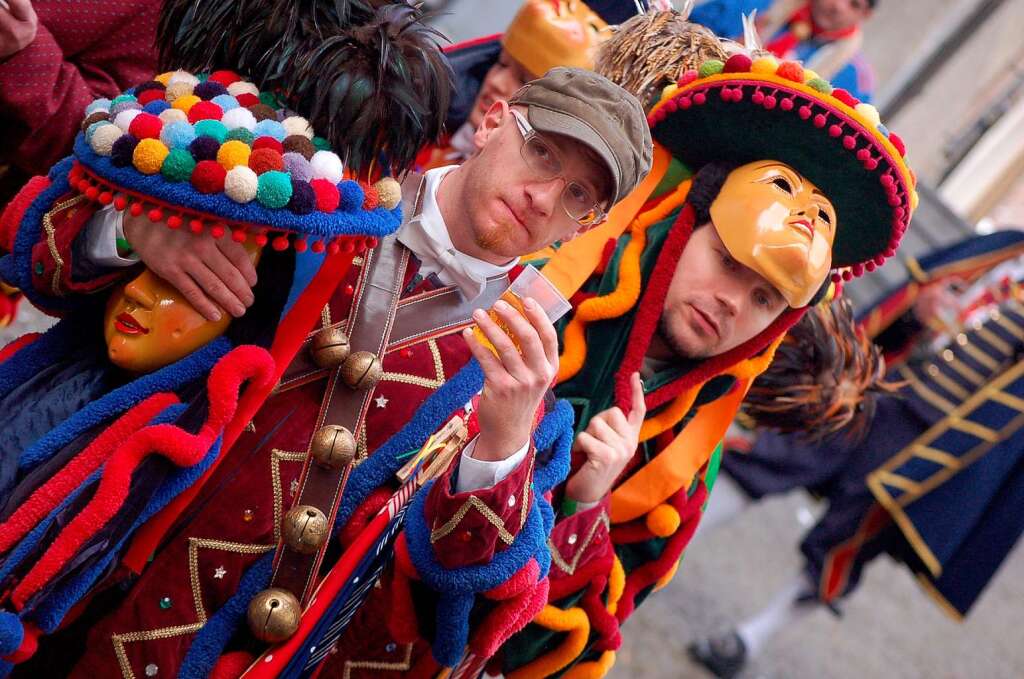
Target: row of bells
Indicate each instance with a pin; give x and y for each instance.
(274, 613)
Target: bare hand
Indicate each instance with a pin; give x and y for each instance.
(18, 27)
(609, 442)
(207, 271)
(514, 384)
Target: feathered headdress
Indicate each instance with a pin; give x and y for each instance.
(824, 379)
(365, 72)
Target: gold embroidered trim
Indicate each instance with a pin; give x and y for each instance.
(560, 561)
(472, 503)
(966, 371)
(997, 342)
(51, 240)
(924, 392)
(417, 380)
(980, 356)
(1008, 400)
(325, 315)
(276, 458)
(901, 482)
(401, 666)
(194, 545)
(973, 428)
(120, 640)
(948, 384)
(938, 457)
(1008, 324)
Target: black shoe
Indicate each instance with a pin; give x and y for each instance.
(724, 656)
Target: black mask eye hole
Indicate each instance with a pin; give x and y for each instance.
(783, 184)
(825, 217)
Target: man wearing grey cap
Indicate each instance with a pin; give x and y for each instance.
(552, 162)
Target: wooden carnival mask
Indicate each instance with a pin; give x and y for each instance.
(149, 324)
(776, 222)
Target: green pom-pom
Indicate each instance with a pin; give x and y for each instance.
(711, 67)
(269, 99)
(321, 144)
(212, 128)
(241, 134)
(274, 189)
(178, 166)
(202, 77)
(821, 85)
(124, 97)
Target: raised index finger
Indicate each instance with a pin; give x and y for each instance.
(638, 409)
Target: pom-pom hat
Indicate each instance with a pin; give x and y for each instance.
(193, 171)
(745, 110)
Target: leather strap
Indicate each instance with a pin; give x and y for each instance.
(369, 325)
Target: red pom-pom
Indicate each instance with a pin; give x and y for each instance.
(898, 143)
(92, 193)
(195, 226)
(300, 245)
(268, 143)
(225, 78)
(239, 235)
(28, 647)
(280, 243)
(770, 101)
(149, 96)
(757, 97)
(155, 215)
(174, 222)
(848, 275)
(247, 99)
(700, 98)
(820, 120)
(261, 239)
(204, 110)
(333, 248)
(208, 176)
(737, 63)
(687, 78)
(845, 97)
(835, 130)
(858, 269)
(327, 195)
(863, 155)
(83, 185)
(106, 197)
(317, 246)
(849, 142)
(787, 104)
(804, 112)
(264, 160)
(120, 203)
(371, 199)
(218, 230)
(136, 209)
(790, 70)
(685, 103)
(871, 164)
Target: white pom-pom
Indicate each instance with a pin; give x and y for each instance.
(242, 87)
(173, 115)
(102, 140)
(389, 192)
(240, 184)
(182, 77)
(176, 90)
(239, 117)
(124, 118)
(298, 125)
(327, 165)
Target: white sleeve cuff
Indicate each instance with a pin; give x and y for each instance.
(101, 234)
(479, 474)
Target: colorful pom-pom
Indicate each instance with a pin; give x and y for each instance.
(125, 106)
(663, 520)
(177, 135)
(149, 85)
(810, 75)
(240, 134)
(239, 117)
(371, 201)
(178, 165)
(389, 192)
(211, 128)
(173, 115)
(820, 85)
(270, 128)
(186, 102)
(122, 98)
(94, 118)
(765, 65)
(148, 156)
(225, 78)
(297, 125)
(149, 96)
(351, 195)
(845, 97)
(274, 189)
(263, 160)
(327, 195)
(710, 67)
(869, 114)
(321, 144)
(122, 151)
(205, 110)
(262, 112)
(242, 87)
(298, 167)
(897, 141)
(156, 107)
(737, 63)
(327, 165)
(204, 148)
(303, 200)
(246, 99)
(208, 176)
(240, 184)
(790, 70)
(124, 119)
(176, 91)
(103, 138)
(269, 99)
(268, 143)
(226, 102)
(233, 153)
(296, 143)
(146, 126)
(91, 130)
(101, 104)
(209, 89)
(183, 77)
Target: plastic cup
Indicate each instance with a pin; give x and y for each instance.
(530, 283)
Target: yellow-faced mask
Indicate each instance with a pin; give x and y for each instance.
(149, 324)
(777, 223)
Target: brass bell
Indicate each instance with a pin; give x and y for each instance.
(361, 370)
(274, 615)
(333, 446)
(330, 347)
(304, 529)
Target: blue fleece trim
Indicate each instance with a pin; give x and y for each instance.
(209, 643)
(16, 268)
(384, 462)
(378, 222)
(36, 355)
(194, 366)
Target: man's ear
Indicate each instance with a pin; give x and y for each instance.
(495, 116)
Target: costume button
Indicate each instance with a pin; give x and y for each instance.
(330, 347)
(573, 539)
(511, 500)
(39, 268)
(151, 670)
(165, 602)
(390, 648)
(305, 529)
(333, 446)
